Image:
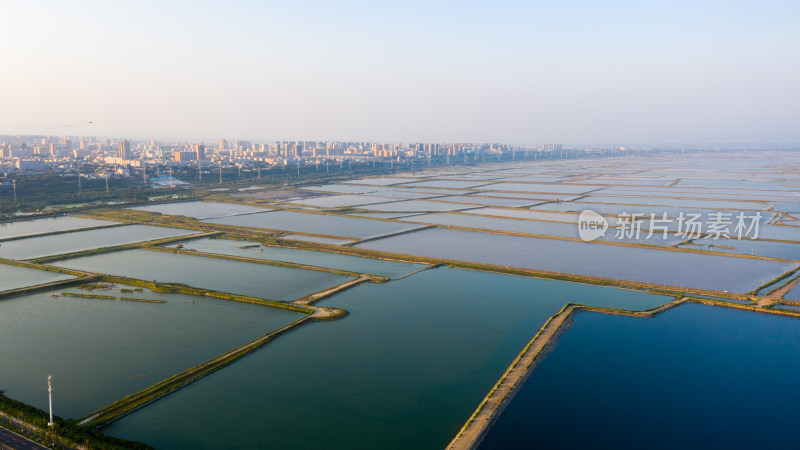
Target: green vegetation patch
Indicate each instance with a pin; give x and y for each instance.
(145, 300)
(81, 295)
(96, 286)
(65, 433)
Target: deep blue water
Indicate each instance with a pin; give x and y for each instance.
(694, 377)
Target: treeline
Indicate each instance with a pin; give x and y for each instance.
(65, 429)
(34, 192)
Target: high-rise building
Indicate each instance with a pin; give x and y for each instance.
(199, 150)
(179, 156)
(124, 149)
(223, 144)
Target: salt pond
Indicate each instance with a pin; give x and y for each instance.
(403, 370)
(47, 225)
(749, 247)
(76, 241)
(200, 210)
(315, 224)
(253, 279)
(13, 277)
(684, 379)
(669, 267)
(358, 264)
(100, 350)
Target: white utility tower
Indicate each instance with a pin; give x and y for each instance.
(50, 398)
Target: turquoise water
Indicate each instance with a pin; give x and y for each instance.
(200, 210)
(100, 350)
(315, 224)
(358, 264)
(13, 277)
(695, 270)
(403, 370)
(694, 377)
(75, 241)
(47, 225)
(253, 279)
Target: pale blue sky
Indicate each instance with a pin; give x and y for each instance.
(516, 72)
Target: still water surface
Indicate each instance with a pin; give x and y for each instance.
(237, 277)
(100, 350)
(403, 370)
(686, 379)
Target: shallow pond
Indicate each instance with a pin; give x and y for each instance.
(47, 225)
(236, 277)
(715, 272)
(13, 277)
(200, 210)
(76, 241)
(100, 350)
(683, 379)
(358, 264)
(323, 224)
(403, 370)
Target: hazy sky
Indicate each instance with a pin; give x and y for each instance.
(522, 72)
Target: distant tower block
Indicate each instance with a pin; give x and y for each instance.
(50, 398)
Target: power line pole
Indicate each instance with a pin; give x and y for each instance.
(50, 399)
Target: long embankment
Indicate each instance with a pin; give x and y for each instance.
(80, 278)
(144, 397)
(272, 238)
(500, 396)
(131, 403)
(121, 247)
(313, 298)
(57, 232)
(47, 286)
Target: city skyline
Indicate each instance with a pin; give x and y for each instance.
(518, 73)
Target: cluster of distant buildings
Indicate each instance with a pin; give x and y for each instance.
(46, 152)
(123, 157)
